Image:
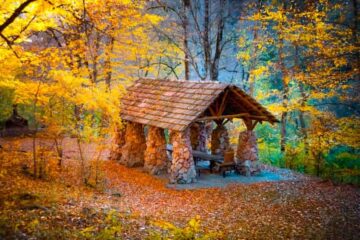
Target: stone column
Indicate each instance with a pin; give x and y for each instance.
(219, 140)
(209, 129)
(247, 152)
(134, 148)
(182, 168)
(155, 154)
(118, 142)
(202, 138)
(198, 136)
(194, 135)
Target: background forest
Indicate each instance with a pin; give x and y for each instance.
(65, 65)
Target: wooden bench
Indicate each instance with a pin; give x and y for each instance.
(228, 164)
(213, 159)
(227, 167)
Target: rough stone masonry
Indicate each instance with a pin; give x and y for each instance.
(183, 168)
(219, 140)
(247, 152)
(118, 143)
(155, 155)
(198, 137)
(135, 145)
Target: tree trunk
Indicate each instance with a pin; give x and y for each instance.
(17, 13)
(254, 49)
(214, 71)
(206, 43)
(283, 132)
(302, 119)
(285, 89)
(185, 24)
(95, 59)
(284, 102)
(59, 151)
(107, 63)
(253, 63)
(303, 102)
(35, 173)
(355, 37)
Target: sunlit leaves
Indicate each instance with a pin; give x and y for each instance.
(311, 74)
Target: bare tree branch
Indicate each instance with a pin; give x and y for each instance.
(15, 14)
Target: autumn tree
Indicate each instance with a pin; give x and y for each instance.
(310, 48)
(203, 35)
(69, 62)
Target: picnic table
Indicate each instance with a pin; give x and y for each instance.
(202, 156)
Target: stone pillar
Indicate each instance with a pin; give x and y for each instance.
(202, 138)
(209, 129)
(219, 140)
(198, 136)
(247, 152)
(118, 142)
(155, 155)
(134, 148)
(194, 135)
(182, 168)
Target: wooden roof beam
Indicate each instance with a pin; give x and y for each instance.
(251, 105)
(259, 107)
(223, 102)
(240, 115)
(248, 103)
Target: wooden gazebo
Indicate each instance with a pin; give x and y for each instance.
(178, 106)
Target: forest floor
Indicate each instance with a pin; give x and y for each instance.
(134, 205)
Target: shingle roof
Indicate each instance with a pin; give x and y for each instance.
(175, 104)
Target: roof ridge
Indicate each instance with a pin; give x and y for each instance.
(183, 80)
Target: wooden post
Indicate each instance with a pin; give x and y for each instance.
(248, 123)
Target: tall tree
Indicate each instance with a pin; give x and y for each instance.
(63, 67)
(205, 37)
(314, 61)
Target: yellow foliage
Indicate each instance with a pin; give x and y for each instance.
(77, 81)
(259, 71)
(245, 56)
(276, 108)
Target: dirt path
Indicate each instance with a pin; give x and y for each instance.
(70, 147)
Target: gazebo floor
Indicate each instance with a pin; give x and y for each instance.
(216, 180)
